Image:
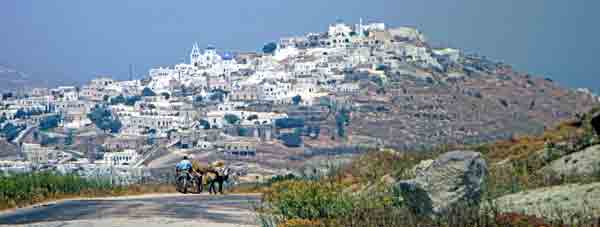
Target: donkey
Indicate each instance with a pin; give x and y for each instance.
(218, 177)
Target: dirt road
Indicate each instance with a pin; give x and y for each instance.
(146, 211)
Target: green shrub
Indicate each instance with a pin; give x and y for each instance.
(309, 200)
(23, 189)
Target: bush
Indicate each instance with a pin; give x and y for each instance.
(131, 100)
(166, 95)
(11, 131)
(289, 123)
(26, 189)
(291, 139)
(49, 122)
(296, 100)
(243, 132)
(148, 92)
(204, 124)
(23, 189)
(342, 119)
(119, 99)
(252, 117)
(217, 95)
(231, 119)
(309, 200)
(269, 48)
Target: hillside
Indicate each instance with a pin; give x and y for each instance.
(475, 101)
(521, 186)
(15, 80)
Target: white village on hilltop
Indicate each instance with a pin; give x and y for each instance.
(238, 106)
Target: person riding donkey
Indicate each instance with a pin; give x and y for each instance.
(184, 166)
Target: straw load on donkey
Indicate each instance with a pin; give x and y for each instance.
(215, 173)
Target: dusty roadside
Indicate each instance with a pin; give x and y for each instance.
(145, 210)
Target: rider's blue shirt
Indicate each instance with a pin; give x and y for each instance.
(184, 165)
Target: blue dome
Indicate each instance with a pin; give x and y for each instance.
(226, 56)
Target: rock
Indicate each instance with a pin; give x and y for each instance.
(554, 202)
(454, 179)
(422, 166)
(596, 124)
(582, 163)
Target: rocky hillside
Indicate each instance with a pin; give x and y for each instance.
(473, 101)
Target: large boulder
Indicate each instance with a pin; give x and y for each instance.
(453, 180)
(581, 163)
(554, 203)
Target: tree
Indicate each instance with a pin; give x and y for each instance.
(166, 95)
(69, 139)
(48, 140)
(297, 100)
(170, 133)
(104, 120)
(342, 119)
(115, 125)
(6, 96)
(252, 117)
(291, 139)
(151, 131)
(382, 67)
(198, 99)
(289, 123)
(131, 100)
(3, 119)
(269, 48)
(148, 92)
(117, 100)
(49, 122)
(21, 114)
(204, 124)
(11, 131)
(217, 96)
(243, 131)
(231, 119)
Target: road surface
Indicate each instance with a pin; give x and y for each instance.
(147, 211)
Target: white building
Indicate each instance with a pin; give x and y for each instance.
(348, 88)
(126, 157)
(39, 155)
(206, 59)
(272, 90)
(339, 35)
(67, 93)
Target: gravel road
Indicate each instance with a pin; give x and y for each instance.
(146, 211)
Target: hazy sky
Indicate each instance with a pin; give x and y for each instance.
(81, 39)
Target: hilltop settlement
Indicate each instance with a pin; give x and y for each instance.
(302, 99)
